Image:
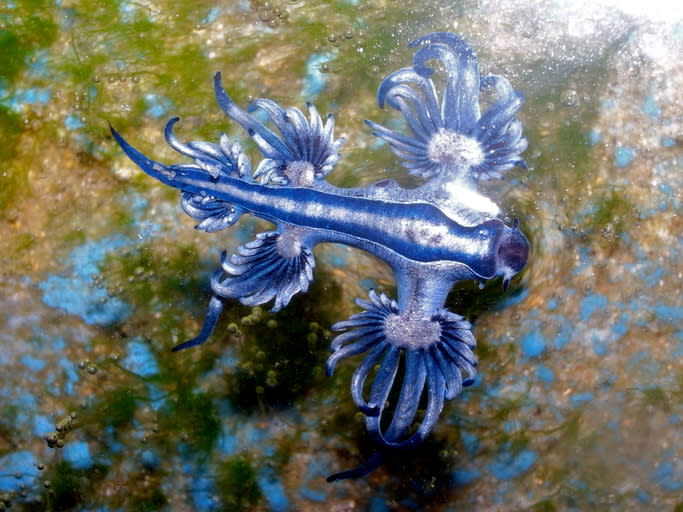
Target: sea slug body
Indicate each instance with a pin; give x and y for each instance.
(432, 236)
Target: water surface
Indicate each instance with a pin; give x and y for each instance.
(578, 403)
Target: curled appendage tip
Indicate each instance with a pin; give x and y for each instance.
(438, 361)
(212, 314)
(303, 151)
(449, 135)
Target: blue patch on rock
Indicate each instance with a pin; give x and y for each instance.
(533, 344)
(77, 453)
(140, 359)
(510, 465)
(18, 471)
(73, 290)
(624, 155)
(273, 491)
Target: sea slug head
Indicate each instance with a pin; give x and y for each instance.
(513, 253)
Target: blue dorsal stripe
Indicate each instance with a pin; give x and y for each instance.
(417, 231)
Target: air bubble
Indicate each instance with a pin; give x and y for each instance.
(570, 98)
(51, 439)
(265, 14)
(608, 231)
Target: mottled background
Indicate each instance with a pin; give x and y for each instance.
(578, 406)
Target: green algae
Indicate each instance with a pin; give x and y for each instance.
(612, 215)
(153, 278)
(194, 415)
(237, 486)
(564, 109)
(544, 505)
(14, 180)
(149, 499)
(20, 39)
(23, 35)
(67, 487)
(278, 360)
(65, 490)
(116, 407)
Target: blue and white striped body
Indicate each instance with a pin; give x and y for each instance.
(370, 219)
(432, 236)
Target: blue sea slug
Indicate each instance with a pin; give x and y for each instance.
(432, 236)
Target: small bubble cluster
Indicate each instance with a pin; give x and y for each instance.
(91, 368)
(270, 14)
(55, 439)
(348, 36)
(337, 39)
(254, 317)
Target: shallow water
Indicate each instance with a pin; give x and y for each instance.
(578, 405)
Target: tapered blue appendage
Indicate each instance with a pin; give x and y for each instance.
(375, 461)
(212, 314)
